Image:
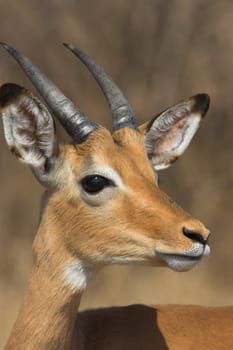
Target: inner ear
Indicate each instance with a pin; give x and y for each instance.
(168, 135)
(28, 128)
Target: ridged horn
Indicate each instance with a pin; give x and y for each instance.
(122, 112)
(76, 123)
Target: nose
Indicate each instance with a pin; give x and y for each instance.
(196, 236)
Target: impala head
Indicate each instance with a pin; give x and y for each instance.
(103, 203)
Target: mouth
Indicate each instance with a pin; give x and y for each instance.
(185, 260)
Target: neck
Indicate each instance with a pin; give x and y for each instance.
(49, 310)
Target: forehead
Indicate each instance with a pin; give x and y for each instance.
(122, 150)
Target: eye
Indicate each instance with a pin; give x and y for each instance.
(93, 184)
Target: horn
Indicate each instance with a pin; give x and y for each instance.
(122, 112)
(76, 123)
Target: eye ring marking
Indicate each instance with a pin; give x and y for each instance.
(95, 183)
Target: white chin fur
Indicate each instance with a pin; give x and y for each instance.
(180, 263)
(185, 260)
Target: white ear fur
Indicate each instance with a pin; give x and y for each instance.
(168, 135)
(28, 128)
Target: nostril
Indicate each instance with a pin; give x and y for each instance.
(194, 236)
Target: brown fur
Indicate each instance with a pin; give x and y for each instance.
(173, 327)
(132, 221)
(69, 229)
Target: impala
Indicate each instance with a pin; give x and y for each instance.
(103, 206)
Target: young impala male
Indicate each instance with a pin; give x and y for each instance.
(103, 206)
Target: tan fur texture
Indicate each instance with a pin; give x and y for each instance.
(124, 226)
(128, 221)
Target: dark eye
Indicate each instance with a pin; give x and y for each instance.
(93, 184)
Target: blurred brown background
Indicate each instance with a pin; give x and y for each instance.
(159, 52)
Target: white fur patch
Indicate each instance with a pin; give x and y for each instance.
(77, 275)
(112, 175)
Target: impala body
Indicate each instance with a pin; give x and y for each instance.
(102, 205)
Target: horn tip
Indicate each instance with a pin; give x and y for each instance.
(75, 50)
(68, 46)
(5, 45)
(9, 48)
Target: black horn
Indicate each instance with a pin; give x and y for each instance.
(122, 113)
(76, 123)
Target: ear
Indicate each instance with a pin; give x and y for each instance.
(168, 135)
(28, 129)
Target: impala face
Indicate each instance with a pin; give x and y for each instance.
(146, 225)
(103, 204)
